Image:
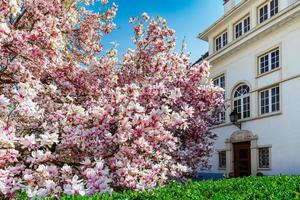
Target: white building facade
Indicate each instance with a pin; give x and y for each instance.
(254, 51)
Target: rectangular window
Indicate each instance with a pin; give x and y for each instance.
(220, 82)
(242, 27)
(263, 13)
(264, 158)
(221, 41)
(269, 61)
(222, 159)
(270, 100)
(268, 10)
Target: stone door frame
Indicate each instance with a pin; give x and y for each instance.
(242, 136)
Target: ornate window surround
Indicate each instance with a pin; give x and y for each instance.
(242, 98)
(268, 51)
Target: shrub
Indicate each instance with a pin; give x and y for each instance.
(265, 188)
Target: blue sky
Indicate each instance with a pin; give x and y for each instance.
(186, 17)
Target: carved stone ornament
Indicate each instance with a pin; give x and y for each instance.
(242, 136)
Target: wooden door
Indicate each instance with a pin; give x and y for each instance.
(242, 159)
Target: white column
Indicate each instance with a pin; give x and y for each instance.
(283, 4)
(230, 33)
(292, 1)
(229, 157)
(254, 156)
(211, 45)
(255, 104)
(253, 17)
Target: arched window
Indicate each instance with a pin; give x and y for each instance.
(241, 101)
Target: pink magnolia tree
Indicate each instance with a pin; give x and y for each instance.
(75, 120)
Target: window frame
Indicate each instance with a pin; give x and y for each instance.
(242, 99)
(221, 37)
(269, 54)
(223, 112)
(220, 166)
(259, 14)
(269, 147)
(242, 22)
(270, 103)
(269, 14)
(276, 9)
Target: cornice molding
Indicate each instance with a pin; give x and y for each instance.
(203, 35)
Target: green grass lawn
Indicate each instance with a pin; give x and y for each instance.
(250, 188)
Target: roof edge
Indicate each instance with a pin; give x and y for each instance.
(203, 35)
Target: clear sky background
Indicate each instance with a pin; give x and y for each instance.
(187, 17)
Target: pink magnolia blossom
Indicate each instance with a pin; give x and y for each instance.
(77, 120)
(75, 186)
(145, 16)
(3, 102)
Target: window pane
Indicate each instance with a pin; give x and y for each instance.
(246, 24)
(275, 99)
(264, 102)
(264, 158)
(264, 64)
(238, 30)
(223, 115)
(270, 100)
(242, 101)
(246, 107)
(216, 82)
(222, 82)
(219, 43)
(222, 159)
(266, 10)
(273, 7)
(263, 13)
(241, 90)
(275, 59)
(224, 39)
(238, 107)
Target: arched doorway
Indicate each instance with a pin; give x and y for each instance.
(241, 153)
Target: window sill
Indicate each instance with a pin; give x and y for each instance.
(222, 169)
(220, 123)
(242, 36)
(249, 119)
(264, 169)
(268, 19)
(269, 114)
(216, 51)
(267, 73)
